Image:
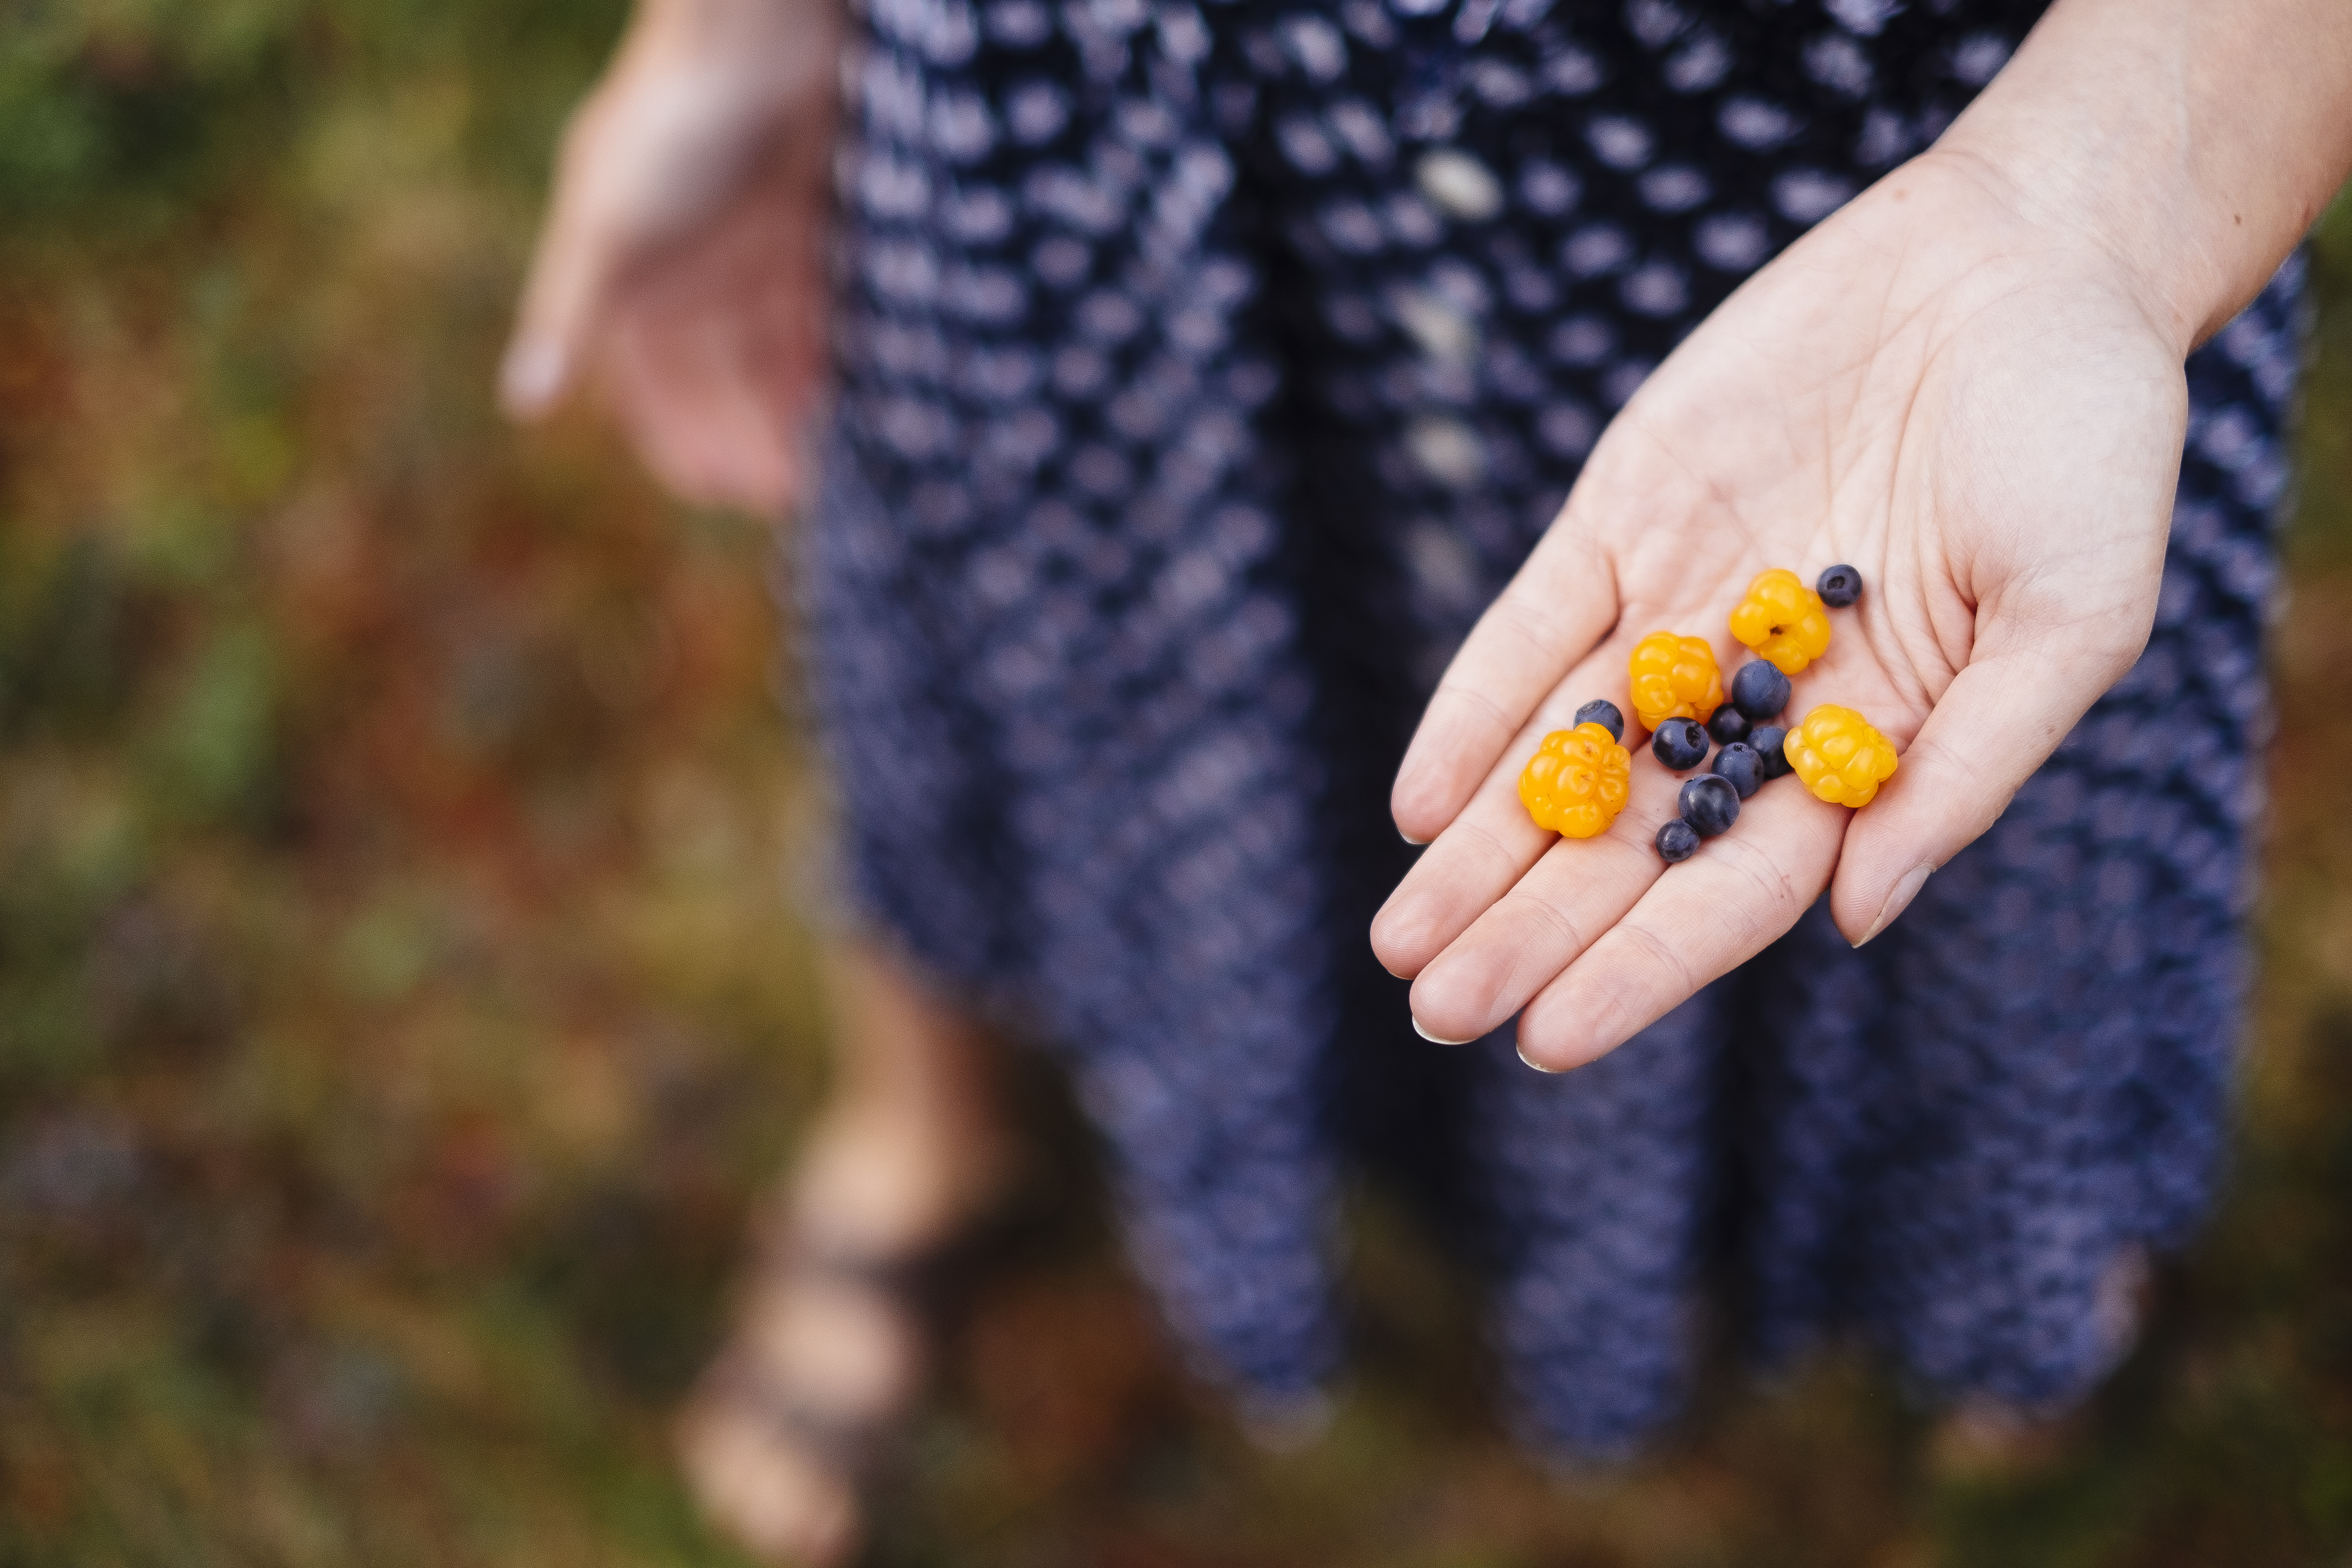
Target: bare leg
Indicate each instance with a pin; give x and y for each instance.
(907, 1149)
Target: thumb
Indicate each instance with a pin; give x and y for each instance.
(1995, 724)
(572, 275)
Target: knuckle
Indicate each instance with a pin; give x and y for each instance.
(1557, 937)
(1662, 960)
(1774, 890)
(1461, 694)
(1529, 623)
(1507, 863)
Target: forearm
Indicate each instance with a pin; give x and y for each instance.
(2195, 141)
(784, 40)
(734, 18)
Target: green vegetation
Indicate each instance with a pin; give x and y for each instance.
(398, 1008)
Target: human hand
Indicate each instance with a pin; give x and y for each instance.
(1978, 411)
(682, 262)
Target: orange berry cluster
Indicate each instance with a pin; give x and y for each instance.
(1576, 783)
(1839, 756)
(1782, 620)
(1673, 677)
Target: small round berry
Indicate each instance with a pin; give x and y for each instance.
(1729, 724)
(1759, 691)
(1576, 783)
(1677, 841)
(1673, 677)
(1710, 805)
(1767, 742)
(1839, 586)
(1680, 743)
(1603, 713)
(1842, 759)
(1740, 762)
(1782, 620)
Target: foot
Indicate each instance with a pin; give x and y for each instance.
(831, 1347)
(1984, 1442)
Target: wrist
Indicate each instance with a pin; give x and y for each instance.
(2188, 145)
(2123, 210)
(786, 45)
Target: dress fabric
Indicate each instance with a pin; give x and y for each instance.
(1205, 369)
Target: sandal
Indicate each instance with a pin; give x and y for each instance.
(849, 1437)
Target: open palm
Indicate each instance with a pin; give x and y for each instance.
(1972, 411)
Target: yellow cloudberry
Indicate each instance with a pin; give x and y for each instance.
(1784, 621)
(1673, 677)
(1839, 756)
(1575, 784)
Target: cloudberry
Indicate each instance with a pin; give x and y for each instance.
(1839, 756)
(1673, 677)
(1575, 783)
(1782, 620)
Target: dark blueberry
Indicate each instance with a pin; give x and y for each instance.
(1679, 743)
(1760, 691)
(1768, 742)
(1677, 841)
(1740, 762)
(1603, 713)
(1710, 805)
(1839, 586)
(1729, 724)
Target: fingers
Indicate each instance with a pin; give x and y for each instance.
(715, 359)
(1696, 922)
(572, 269)
(688, 392)
(1997, 722)
(780, 1505)
(1571, 895)
(1489, 843)
(1562, 602)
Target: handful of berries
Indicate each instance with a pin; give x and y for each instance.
(1579, 779)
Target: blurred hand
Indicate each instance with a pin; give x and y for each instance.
(682, 263)
(1978, 412)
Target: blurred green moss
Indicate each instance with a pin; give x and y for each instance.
(133, 117)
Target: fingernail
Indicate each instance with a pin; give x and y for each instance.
(1535, 1064)
(531, 374)
(1409, 838)
(1898, 900)
(1438, 1040)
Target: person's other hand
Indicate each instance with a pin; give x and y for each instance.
(1976, 412)
(681, 267)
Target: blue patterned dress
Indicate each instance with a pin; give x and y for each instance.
(1206, 366)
